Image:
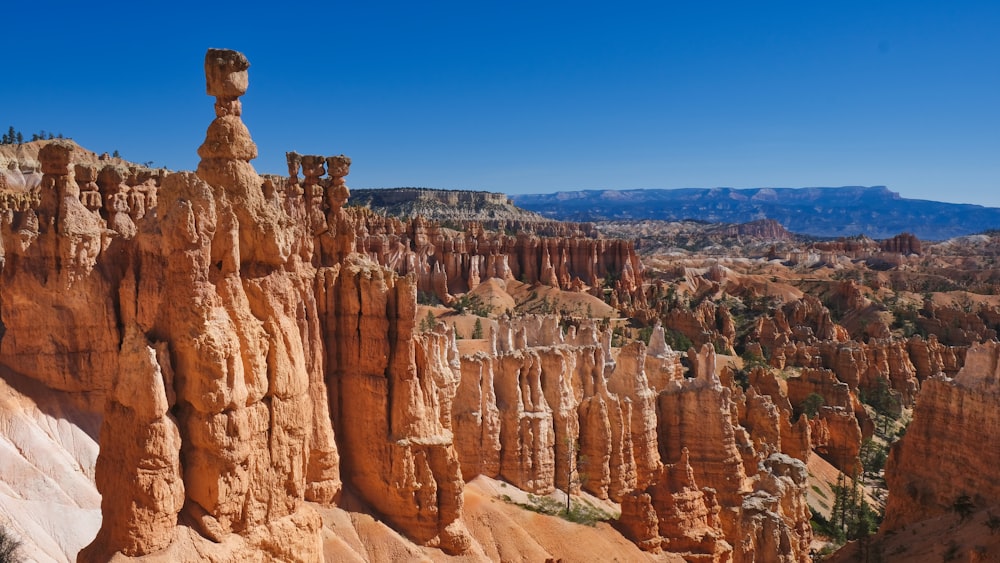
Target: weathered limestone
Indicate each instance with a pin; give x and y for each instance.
(930, 357)
(662, 364)
(255, 340)
(476, 419)
(392, 403)
(50, 264)
(245, 346)
(649, 452)
(762, 508)
(140, 476)
(674, 515)
(449, 263)
(628, 381)
(549, 411)
(943, 455)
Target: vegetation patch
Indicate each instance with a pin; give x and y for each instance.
(581, 511)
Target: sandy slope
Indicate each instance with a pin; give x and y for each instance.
(47, 455)
(502, 531)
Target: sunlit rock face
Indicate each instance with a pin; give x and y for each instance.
(237, 380)
(942, 456)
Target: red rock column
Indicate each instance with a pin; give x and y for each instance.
(392, 394)
(139, 510)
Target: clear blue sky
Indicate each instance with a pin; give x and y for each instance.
(525, 97)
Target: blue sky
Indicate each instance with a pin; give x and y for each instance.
(526, 97)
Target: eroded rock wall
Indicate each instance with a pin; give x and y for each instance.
(392, 394)
(448, 262)
(209, 309)
(762, 510)
(942, 457)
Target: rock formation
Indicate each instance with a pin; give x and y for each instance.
(391, 401)
(247, 317)
(942, 457)
(762, 509)
(245, 348)
(449, 263)
(674, 515)
(632, 446)
(149, 499)
(904, 243)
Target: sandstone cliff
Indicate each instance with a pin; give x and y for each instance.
(448, 262)
(547, 409)
(942, 457)
(193, 304)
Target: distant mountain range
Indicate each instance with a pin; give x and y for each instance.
(822, 212)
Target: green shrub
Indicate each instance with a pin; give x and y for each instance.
(581, 511)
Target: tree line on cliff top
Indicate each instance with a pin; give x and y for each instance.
(15, 137)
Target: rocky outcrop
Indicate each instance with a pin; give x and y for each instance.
(706, 323)
(837, 437)
(864, 247)
(50, 252)
(958, 325)
(448, 263)
(764, 229)
(930, 357)
(942, 456)
(854, 247)
(392, 394)
(602, 414)
(841, 423)
(141, 476)
(762, 509)
(451, 206)
(653, 447)
(232, 324)
(903, 243)
(245, 352)
(629, 382)
(662, 365)
(673, 514)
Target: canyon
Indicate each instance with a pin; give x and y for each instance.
(220, 365)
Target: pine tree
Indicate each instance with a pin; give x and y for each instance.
(838, 515)
(20, 138)
(477, 330)
(429, 322)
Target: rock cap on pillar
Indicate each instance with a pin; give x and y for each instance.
(226, 73)
(55, 158)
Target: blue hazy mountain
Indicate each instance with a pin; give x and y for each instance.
(823, 212)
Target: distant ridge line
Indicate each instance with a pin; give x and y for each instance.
(844, 211)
